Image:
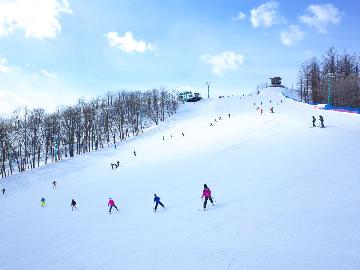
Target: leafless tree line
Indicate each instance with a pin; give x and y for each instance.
(29, 138)
(337, 72)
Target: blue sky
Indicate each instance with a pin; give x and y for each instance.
(54, 51)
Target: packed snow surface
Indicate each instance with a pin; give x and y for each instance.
(287, 195)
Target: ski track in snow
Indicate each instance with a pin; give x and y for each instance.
(287, 196)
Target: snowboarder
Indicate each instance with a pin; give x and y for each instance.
(134, 153)
(313, 121)
(3, 191)
(207, 195)
(157, 202)
(54, 184)
(272, 109)
(111, 203)
(321, 121)
(73, 204)
(43, 202)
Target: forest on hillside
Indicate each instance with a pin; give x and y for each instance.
(30, 138)
(333, 79)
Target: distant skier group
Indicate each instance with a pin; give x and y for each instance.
(259, 108)
(321, 119)
(217, 119)
(163, 137)
(115, 165)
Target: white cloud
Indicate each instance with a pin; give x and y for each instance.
(21, 88)
(49, 74)
(10, 102)
(239, 17)
(4, 68)
(291, 36)
(128, 43)
(39, 19)
(320, 16)
(266, 15)
(222, 62)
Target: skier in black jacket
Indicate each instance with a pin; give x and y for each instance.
(313, 121)
(73, 204)
(321, 121)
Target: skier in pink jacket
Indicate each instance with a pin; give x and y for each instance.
(207, 195)
(111, 203)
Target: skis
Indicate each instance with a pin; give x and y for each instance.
(164, 208)
(206, 209)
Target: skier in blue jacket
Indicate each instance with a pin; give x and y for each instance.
(157, 202)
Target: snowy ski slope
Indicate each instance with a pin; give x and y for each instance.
(287, 195)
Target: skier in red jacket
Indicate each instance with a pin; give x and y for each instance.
(111, 203)
(207, 195)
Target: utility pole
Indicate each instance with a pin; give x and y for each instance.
(208, 87)
(330, 76)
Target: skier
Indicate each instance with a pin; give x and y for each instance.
(207, 195)
(54, 184)
(157, 202)
(313, 121)
(134, 153)
(43, 202)
(3, 191)
(183, 134)
(163, 138)
(73, 204)
(211, 124)
(272, 109)
(321, 121)
(261, 111)
(111, 203)
(229, 115)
